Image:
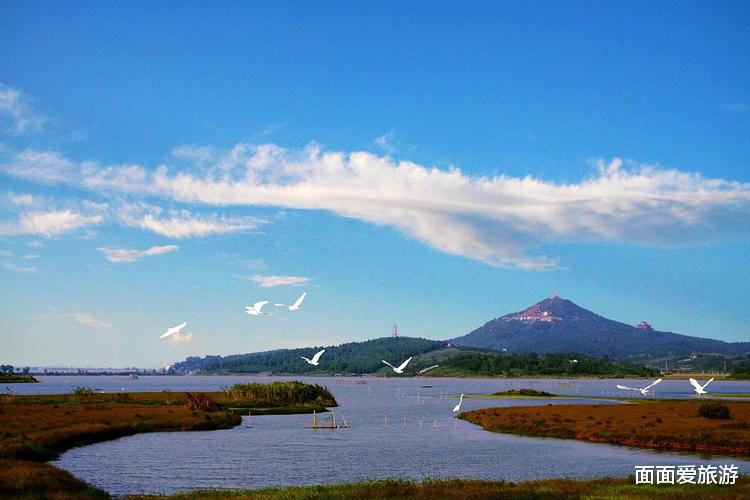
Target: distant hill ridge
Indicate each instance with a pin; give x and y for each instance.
(349, 358)
(554, 325)
(559, 325)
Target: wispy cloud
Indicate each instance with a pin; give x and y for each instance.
(273, 280)
(122, 255)
(184, 224)
(34, 244)
(385, 142)
(55, 222)
(501, 220)
(10, 266)
(16, 108)
(49, 223)
(180, 338)
(24, 200)
(90, 321)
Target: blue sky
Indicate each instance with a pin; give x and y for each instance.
(432, 164)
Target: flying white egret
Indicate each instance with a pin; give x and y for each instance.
(700, 389)
(643, 390)
(315, 359)
(174, 329)
(256, 309)
(297, 303)
(400, 368)
(457, 408)
(425, 370)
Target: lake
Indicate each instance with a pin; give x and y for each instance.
(421, 439)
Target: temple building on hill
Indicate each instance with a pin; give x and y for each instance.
(644, 326)
(533, 313)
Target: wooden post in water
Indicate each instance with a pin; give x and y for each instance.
(404, 421)
(385, 425)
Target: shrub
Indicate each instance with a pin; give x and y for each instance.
(714, 409)
(83, 394)
(201, 402)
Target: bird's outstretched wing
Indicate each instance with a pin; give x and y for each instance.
(180, 326)
(298, 302)
(318, 355)
(260, 304)
(305, 358)
(695, 384)
(166, 334)
(626, 387)
(281, 305)
(657, 381)
(709, 381)
(403, 365)
(387, 363)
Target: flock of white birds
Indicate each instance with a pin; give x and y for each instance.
(700, 390)
(256, 310)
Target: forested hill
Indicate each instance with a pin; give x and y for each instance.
(350, 358)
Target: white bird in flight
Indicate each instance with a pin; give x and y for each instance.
(644, 390)
(297, 303)
(700, 389)
(315, 359)
(400, 368)
(256, 309)
(174, 329)
(457, 408)
(425, 370)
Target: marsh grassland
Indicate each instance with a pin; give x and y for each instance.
(35, 429)
(667, 425)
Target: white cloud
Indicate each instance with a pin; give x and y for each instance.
(183, 224)
(54, 222)
(5, 253)
(30, 257)
(180, 338)
(35, 244)
(385, 142)
(121, 255)
(272, 280)
(501, 220)
(21, 199)
(17, 109)
(18, 269)
(90, 321)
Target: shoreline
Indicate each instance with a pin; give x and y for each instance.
(38, 428)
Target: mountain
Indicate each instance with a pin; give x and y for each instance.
(557, 325)
(350, 358)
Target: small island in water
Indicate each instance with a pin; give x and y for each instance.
(17, 379)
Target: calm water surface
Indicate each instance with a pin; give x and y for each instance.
(421, 439)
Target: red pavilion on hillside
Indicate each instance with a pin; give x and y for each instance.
(644, 326)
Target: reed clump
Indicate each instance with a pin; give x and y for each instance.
(201, 402)
(714, 410)
(281, 394)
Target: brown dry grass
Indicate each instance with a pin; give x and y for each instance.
(673, 425)
(37, 428)
(457, 489)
